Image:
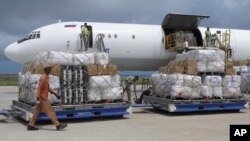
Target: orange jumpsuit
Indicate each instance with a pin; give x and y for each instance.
(42, 95)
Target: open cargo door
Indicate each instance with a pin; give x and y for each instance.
(185, 22)
(180, 28)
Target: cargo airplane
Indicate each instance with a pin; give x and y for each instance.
(131, 46)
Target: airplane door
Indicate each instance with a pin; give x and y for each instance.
(84, 43)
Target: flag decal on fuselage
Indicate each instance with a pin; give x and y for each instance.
(71, 25)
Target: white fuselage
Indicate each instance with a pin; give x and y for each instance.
(131, 46)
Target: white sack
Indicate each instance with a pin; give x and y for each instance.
(100, 82)
(212, 81)
(102, 58)
(206, 91)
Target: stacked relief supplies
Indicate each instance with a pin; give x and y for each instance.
(245, 78)
(28, 84)
(104, 87)
(78, 77)
(104, 82)
(202, 76)
(207, 60)
(176, 85)
(231, 86)
(212, 87)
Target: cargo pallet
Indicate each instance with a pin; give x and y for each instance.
(196, 105)
(119, 109)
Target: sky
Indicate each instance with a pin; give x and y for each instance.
(19, 17)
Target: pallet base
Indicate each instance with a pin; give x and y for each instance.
(74, 111)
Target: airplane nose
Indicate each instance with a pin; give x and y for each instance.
(12, 52)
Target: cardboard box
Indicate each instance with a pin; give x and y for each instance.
(39, 69)
(229, 67)
(92, 70)
(173, 69)
(102, 69)
(112, 69)
(162, 69)
(190, 67)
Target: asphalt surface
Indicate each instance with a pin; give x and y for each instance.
(145, 124)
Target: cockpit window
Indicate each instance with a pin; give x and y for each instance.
(32, 35)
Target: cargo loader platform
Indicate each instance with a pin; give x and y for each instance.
(196, 105)
(74, 111)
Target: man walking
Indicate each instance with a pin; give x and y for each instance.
(43, 102)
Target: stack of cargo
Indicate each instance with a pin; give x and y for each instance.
(104, 87)
(179, 38)
(198, 74)
(231, 86)
(212, 87)
(28, 84)
(245, 77)
(207, 60)
(176, 85)
(78, 77)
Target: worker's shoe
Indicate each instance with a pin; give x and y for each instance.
(61, 126)
(29, 128)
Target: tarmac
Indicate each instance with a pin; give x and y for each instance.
(145, 124)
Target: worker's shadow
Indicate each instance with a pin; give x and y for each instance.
(8, 120)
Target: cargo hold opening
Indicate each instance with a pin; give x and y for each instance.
(180, 28)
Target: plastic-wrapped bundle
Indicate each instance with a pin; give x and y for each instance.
(244, 69)
(102, 81)
(33, 81)
(245, 82)
(30, 96)
(94, 94)
(180, 91)
(66, 58)
(231, 91)
(188, 80)
(217, 91)
(116, 80)
(207, 55)
(186, 92)
(212, 81)
(176, 85)
(102, 58)
(112, 93)
(176, 91)
(218, 66)
(231, 81)
(195, 92)
(174, 79)
(231, 86)
(202, 66)
(157, 78)
(104, 87)
(62, 58)
(83, 59)
(206, 91)
(196, 81)
(30, 85)
(54, 82)
(21, 79)
(162, 90)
